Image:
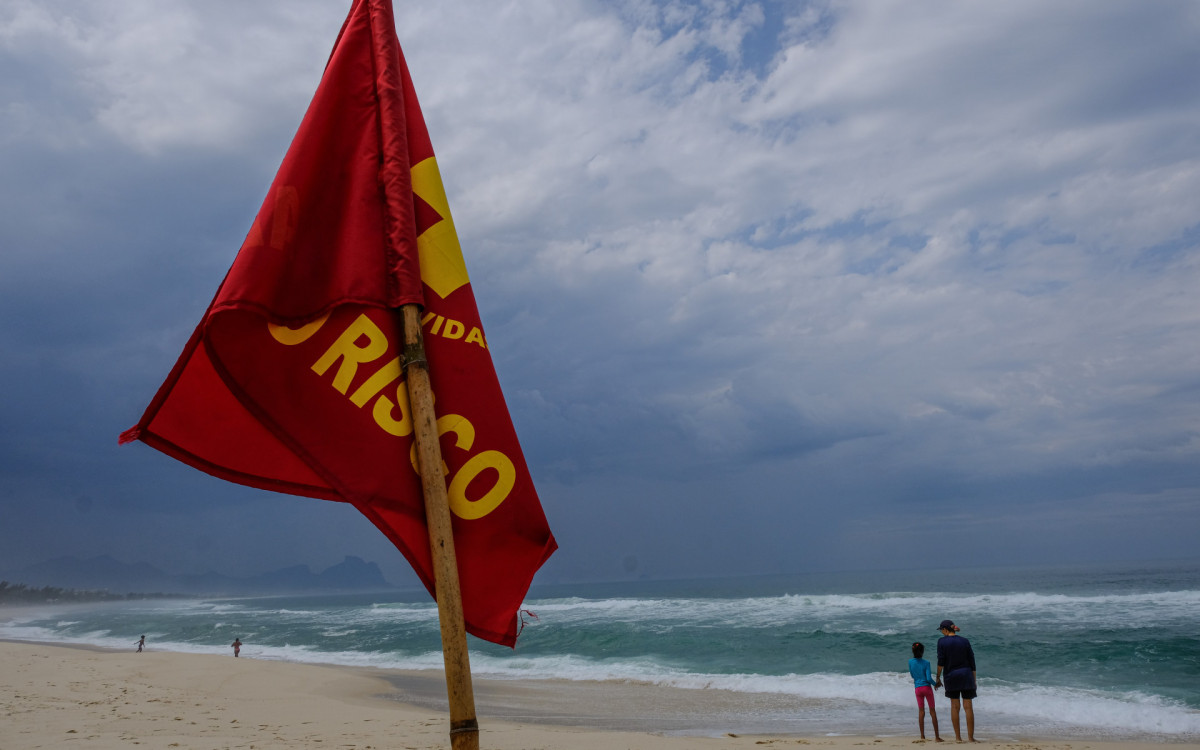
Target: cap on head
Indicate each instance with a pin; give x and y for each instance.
(947, 625)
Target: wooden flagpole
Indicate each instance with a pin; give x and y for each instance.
(464, 728)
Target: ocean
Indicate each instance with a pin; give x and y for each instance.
(1064, 652)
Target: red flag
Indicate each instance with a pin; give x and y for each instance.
(293, 382)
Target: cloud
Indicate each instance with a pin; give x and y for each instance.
(840, 263)
(232, 68)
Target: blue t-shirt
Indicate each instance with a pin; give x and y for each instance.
(919, 669)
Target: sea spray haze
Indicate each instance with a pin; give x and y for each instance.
(1081, 651)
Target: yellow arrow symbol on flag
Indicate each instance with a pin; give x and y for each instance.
(442, 264)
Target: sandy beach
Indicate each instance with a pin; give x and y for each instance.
(62, 697)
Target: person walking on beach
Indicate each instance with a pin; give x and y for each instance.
(924, 685)
(141, 644)
(237, 646)
(956, 657)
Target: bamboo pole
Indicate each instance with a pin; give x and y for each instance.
(464, 728)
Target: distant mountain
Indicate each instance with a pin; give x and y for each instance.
(105, 573)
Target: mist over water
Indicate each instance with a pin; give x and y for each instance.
(1092, 652)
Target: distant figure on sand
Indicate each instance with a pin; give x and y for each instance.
(237, 646)
(923, 682)
(141, 644)
(955, 656)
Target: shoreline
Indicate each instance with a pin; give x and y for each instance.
(684, 712)
(50, 693)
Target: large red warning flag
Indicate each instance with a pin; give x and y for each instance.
(293, 381)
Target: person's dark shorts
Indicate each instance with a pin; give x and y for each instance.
(960, 684)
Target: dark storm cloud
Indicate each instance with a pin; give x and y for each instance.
(768, 286)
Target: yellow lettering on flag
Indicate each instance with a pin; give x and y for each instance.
(442, 264)
(476, 336)
(388, 373)
(348, 350)
(506, 479)
(385, 409)
(293, 336)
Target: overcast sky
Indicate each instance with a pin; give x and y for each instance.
(770, 286)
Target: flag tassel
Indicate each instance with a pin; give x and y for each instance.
(464, 728)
